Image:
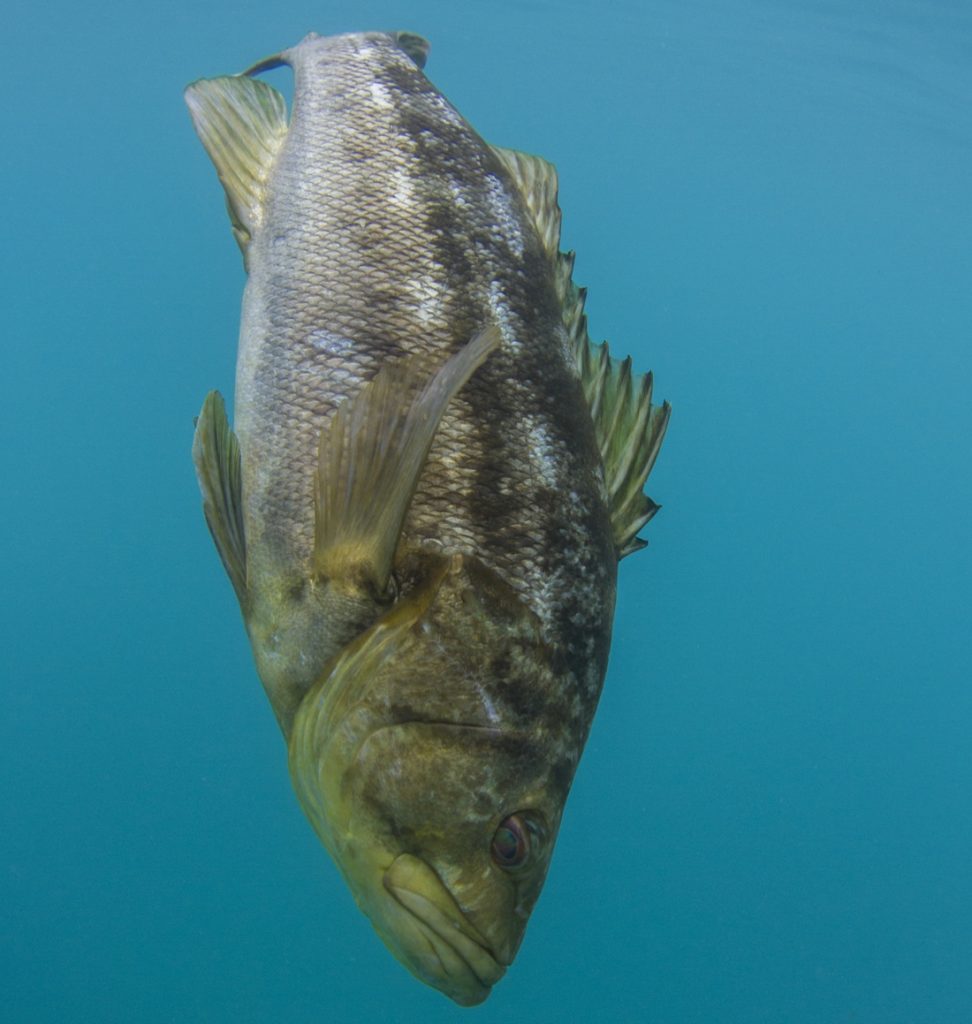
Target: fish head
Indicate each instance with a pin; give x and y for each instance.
(434, 760)
(451, 848)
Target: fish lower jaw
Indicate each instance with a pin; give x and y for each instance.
(428, 934)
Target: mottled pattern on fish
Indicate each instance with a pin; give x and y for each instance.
(433, 477)
(392, 230)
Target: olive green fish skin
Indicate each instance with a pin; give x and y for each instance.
(384, 766)
(428, 716)
(392, 230)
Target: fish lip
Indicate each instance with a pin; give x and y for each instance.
(469, 968)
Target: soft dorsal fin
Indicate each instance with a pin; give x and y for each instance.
(536, 180)
(216, 453)
(242, 122)
(629, 429)
(371, 456)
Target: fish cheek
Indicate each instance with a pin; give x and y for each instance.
(427, 788)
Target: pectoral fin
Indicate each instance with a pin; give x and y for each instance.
(371, 456)
(216, 453)
(242, 122)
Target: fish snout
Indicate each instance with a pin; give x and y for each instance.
(428, 932)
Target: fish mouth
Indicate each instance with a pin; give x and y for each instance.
(433, 938)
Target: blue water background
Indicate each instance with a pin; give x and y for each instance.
(772, 208)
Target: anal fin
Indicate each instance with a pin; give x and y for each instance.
(242, 122)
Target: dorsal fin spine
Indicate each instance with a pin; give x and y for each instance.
(628, 428)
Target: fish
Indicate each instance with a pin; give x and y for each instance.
(431, 477)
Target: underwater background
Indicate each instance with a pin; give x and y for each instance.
(771, 204)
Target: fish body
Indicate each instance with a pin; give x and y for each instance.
(432, 477)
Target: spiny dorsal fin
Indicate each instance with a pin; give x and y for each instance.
(371, 456)
(536, 180)
(242, 122)
(216, 453)
(629, 429)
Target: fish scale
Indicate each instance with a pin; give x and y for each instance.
(333, 209)
(433, 477)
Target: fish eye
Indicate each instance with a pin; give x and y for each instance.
(513, 842)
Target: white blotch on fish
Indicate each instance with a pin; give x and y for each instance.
(380, 96)
(543, 456)
(501, 315)
(404, 193)
(503, 216)
(328, 341)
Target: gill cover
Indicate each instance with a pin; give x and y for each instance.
(451, 777)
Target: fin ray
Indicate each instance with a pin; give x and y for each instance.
(629, 431)
(371, 456)
(216, 454)
(242, 123)
(628, 427)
